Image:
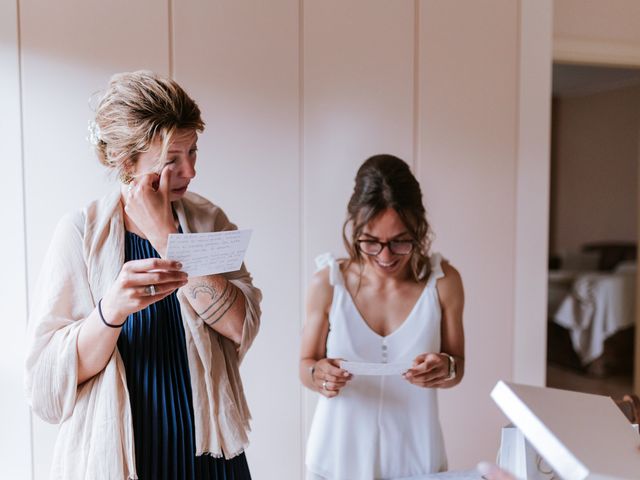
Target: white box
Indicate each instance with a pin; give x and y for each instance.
(581, 436)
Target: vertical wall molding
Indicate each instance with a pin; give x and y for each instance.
(24, 212)
(302, 271)
(532, 191)
(636, 360)
(416, 88)
(170, 37)
(15, 417)
(22, 162)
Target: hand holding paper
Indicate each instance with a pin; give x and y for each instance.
(209, 253)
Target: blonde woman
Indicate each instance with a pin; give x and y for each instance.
(135, 360)
(390, 302)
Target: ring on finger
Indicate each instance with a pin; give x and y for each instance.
(150, 290)
(130, 187)
(324, 385)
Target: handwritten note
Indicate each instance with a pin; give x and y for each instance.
(209, 253)
(362, 368)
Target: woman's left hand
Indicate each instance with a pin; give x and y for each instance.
(148, 205)
(429, 370)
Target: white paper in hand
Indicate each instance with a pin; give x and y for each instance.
(362, 368)
(209, 253)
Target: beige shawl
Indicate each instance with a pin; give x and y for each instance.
(95, 440)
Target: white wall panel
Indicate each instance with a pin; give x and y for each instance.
(239, 60)
(594, 20)
(15, 433)
(296, 94)
(358, 101)
(69, 50)
(468, 113)
(533, 184)
(596, 32)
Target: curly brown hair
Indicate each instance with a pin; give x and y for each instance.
(382, 182)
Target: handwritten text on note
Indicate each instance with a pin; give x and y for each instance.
(209, 253)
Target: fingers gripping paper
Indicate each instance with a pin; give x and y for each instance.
(209, 253)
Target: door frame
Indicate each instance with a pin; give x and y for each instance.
(532, 192)
(539, 49)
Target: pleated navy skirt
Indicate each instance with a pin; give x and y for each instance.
(153, 348)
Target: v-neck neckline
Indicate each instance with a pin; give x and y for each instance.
(395, 330)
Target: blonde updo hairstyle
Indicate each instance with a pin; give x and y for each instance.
(136, 109)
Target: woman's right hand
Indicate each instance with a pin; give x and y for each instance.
(328, 377)
(130, 291)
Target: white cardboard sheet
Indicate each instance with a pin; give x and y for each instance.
(581, 436)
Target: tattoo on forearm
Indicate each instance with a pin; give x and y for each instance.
(229, 304)
(204, 288)
(219, 305)
(215, 301)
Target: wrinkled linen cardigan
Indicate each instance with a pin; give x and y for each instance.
(95, 440)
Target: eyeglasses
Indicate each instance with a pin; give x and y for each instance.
(374, 247)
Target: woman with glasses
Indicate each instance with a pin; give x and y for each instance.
(392, 304)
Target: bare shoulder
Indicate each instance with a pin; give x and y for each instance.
(320, 291)
(450, 286)
(352, 274)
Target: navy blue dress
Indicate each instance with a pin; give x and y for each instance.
(153, 348)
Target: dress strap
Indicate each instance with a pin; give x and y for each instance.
(327, 259)
(436, 269)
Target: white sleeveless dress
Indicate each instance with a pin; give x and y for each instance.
(378, 427)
